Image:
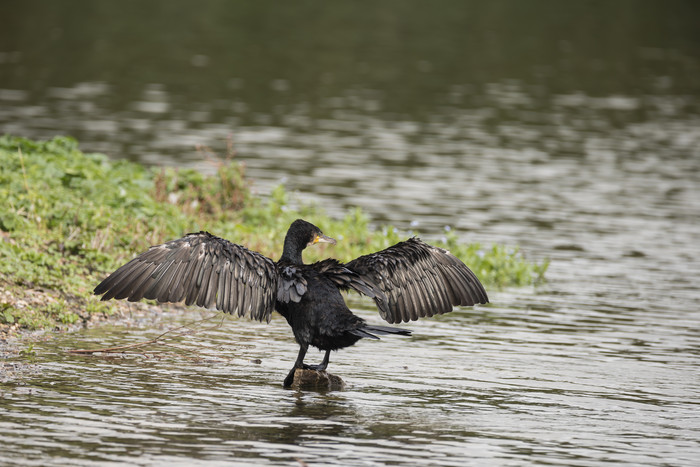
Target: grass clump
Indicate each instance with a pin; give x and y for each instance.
(69, 218)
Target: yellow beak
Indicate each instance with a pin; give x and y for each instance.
(323, 239)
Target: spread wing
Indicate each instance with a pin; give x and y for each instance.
(345, 279)
(199, 268)
(418, 280)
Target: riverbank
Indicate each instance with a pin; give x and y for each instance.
(69, 218)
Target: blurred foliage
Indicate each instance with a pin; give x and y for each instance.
(70, 218)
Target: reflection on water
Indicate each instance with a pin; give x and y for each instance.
(581, 147)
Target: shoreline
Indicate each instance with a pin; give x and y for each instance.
(72, 218)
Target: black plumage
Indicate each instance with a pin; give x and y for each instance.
(407, 281)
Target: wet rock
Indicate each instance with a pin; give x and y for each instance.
(313, 379)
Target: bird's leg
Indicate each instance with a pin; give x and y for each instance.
(323, 365)
(298, 364)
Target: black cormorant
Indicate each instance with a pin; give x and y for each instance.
(407, 281)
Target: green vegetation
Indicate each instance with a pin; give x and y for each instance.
(69, 218)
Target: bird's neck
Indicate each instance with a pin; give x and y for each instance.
(291, 252)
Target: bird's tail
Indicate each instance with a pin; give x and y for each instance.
(370, 331)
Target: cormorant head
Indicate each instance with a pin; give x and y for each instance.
(300, 235)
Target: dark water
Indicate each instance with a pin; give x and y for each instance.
(571, 129)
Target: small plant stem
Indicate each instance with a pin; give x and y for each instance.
(148, 342)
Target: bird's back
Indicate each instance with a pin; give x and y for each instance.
(321, 318)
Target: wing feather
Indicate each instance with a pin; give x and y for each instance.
(143, 270)
(346, 279)
(201, 269)
(418, 280)
(212, 286)
(203, 283)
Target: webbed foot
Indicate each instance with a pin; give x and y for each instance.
(289, 380)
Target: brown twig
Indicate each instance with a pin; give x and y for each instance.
(148, 342)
